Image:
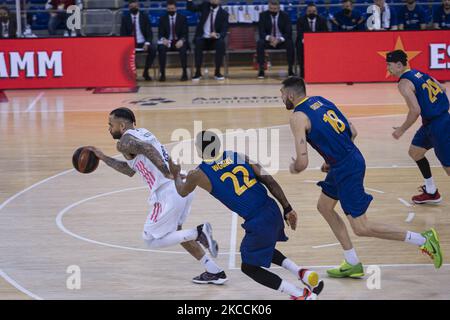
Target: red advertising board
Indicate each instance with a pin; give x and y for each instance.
(360, 56)
(67, 63)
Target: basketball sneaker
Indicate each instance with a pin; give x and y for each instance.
(211, 278)
(206, 239)
(432, 247)
(346, 270)
(311, 280)
(426, 197)
(307, 295)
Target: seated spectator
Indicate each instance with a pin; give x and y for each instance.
(384, 19)
(138, 25)
(412, 16)
(310, 22)
(173, 36)
(58, 15)
(7, 24)
(275, 32)
(441, 16)
(348, 19)
(210, 34)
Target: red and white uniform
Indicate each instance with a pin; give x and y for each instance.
(168, 209)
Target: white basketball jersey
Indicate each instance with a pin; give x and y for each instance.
(141, 164)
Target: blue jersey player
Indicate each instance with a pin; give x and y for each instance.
(319, 122)
(241, 186)
(426, 98)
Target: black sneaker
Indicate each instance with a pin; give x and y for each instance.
(214, 278)
(162, 78)
(197, 76)
(146, 76)
(219, 76)
(184, 77)
(206, 239)
(291, 73)
(261, 74)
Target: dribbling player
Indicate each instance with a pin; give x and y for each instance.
(241, 186)
(319, 122)
(168, 211)
(427, 98)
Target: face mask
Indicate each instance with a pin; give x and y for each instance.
(134, 10)
(273, 14)
(312, 16)
(347, 11)
(171, 13)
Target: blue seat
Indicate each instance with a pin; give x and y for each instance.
(39, 20)
(155, 15)
(38, 1)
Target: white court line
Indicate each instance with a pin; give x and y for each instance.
(406, 203)
(410, 217)
(61, 226)
(326, 245)
(233, 241)
(16, 195)
(33, 103)
(374, 190)
(15, 284)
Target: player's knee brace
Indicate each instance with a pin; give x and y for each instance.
(278, 257)
(262, 276)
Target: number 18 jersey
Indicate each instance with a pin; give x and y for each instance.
(330, 133)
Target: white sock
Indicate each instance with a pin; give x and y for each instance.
(290, 289)
(430, 186)
(173, 238)
(414, 238)
(351, 257)
(291, 266)
(210, 265)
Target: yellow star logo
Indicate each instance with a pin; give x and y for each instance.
(399, 46)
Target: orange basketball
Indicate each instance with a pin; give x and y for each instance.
(84, 160)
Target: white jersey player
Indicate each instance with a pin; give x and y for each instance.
(168, 210)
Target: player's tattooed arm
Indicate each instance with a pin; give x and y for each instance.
(299, 126)
(130, 145)
(406, 89)
(120, 166)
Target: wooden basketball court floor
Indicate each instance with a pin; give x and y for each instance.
(52, 217)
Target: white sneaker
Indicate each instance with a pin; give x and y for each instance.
(66, 33)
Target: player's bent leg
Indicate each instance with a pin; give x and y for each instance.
(326, 206)
(429, 192)
(308, 277)
(428, 241)
(363, 227)
(213, 274)
(416, 153)
(271, 280)
(351, 266)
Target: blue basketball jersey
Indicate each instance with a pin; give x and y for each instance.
(234, 184)
(432, 100)
(330, 133)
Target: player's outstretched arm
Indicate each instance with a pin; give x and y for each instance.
(188, 185)
(275, 189)
(298, 124)
(406, 89)
(130, 145)
(120, 166)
